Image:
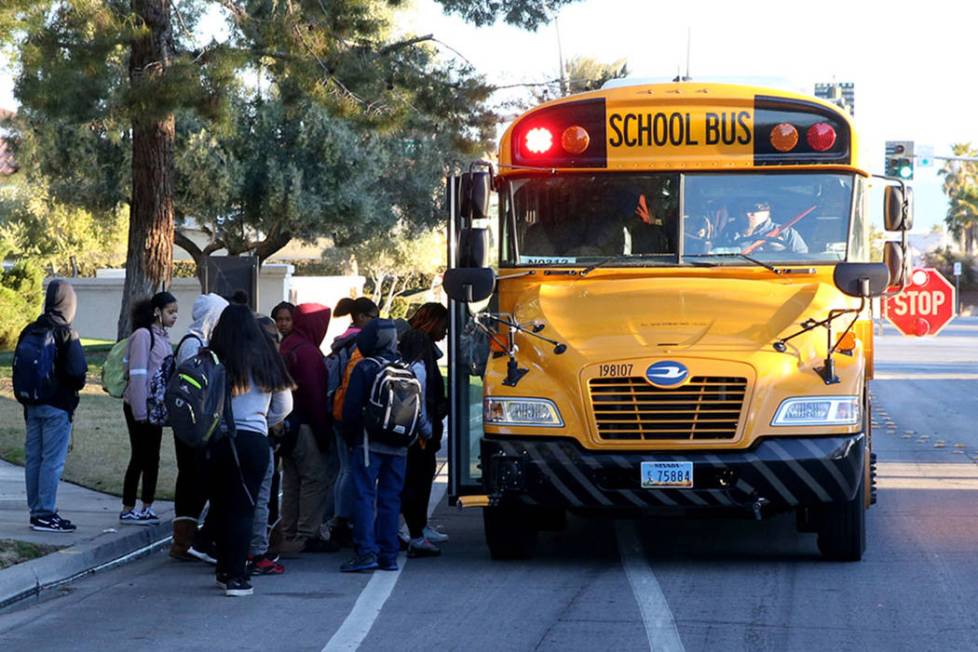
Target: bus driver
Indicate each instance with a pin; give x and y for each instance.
(756, 226)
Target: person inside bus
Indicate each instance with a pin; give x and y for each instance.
(697, 234)
(753, 224)
(645, 228)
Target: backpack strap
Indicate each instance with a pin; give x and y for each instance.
(184, 339)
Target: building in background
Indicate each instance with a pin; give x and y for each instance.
(842, 94)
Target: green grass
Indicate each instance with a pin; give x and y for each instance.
(14, 552)
(99, 450)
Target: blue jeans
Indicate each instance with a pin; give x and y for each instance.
(343, 489)
(46, 447)
(380, 484)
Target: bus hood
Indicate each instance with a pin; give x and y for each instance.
(616, 318)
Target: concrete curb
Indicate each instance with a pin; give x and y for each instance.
(30, 578)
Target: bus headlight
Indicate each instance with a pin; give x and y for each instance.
(521, 412)
(819, 411)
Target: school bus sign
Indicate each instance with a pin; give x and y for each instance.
(924, 307)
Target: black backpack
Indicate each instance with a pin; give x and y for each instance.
(35, 377)
(197, 400)
(391, 414)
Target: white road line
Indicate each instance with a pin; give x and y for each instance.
(660, 626)
(361, 619)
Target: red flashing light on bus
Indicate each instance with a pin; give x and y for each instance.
(821, 136)
(539, 140)
(784, 137)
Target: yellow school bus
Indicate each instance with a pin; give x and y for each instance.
(680, 316)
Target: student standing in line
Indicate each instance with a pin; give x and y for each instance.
(48, 413)
(307, 478)
(282, 314)
(191, 488)
(344, 348)
(428, 325)
(238, 461)
(376, 468)
(149, 347)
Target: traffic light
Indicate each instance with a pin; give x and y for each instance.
(899, 159)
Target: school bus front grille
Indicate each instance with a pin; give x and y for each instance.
(707, 407)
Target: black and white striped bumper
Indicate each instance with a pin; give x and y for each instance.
(786, 472)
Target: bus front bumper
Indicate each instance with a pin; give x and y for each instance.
(776, 474)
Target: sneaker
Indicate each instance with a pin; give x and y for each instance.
(422, 548)
(132, 517)
(403, 537)
(315, 544)
(203, 554)
(53, 523)
(149, 516)
(222, 579)
(264, 566)
(360, 563)
(389, 565)
(433, 535)
(238, 587)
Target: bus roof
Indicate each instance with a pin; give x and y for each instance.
(680, 126)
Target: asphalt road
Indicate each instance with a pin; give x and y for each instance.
(693, 584)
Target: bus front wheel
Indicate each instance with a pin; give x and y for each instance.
(509, 532)
(842, 528)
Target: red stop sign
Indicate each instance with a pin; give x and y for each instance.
(925, 306)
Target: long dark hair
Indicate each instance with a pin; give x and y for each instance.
(143, 314)
(246, 351)
(429, 317)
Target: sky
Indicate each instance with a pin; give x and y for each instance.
(910, 62)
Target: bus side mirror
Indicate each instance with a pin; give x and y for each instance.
(469, 285)
(895, 263)
(475, 190)
(473, 248)
(864, 280)
(897, 208)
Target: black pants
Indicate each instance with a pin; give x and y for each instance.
(144, 458)
(233, 493)
(191, 490)
(417, 488)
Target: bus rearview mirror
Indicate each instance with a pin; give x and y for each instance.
(897, 208)
(469, 285)
(895, 263)
(864, 280)
(475, 190)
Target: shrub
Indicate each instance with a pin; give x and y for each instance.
(21, 300)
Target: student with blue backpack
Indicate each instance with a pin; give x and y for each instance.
(149, 363)
(381, 410)
(48, 371)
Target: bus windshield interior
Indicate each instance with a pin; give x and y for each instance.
(633, 219)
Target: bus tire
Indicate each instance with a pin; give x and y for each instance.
(509, 533)
(842, 529)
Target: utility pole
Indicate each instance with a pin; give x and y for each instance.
(560, 59)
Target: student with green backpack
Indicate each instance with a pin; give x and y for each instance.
(149, 356)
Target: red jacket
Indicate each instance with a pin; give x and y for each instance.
(304, 359)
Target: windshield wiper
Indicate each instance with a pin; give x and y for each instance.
(623, 257)
(751, 259)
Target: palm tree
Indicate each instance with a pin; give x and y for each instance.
(961, 188)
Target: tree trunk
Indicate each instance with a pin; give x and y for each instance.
(149, 259)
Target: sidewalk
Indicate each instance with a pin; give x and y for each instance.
(100, 537)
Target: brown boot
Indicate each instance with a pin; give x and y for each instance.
(184, 529)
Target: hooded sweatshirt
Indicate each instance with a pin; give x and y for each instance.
(145, 355)
(377, 340)
(70, 367)
(206, 311)
(304, 359)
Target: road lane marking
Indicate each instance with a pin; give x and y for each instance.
(361, 618)
(660, 626)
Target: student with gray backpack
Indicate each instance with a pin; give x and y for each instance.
(49, 369)
(381, 413)
(149, 362)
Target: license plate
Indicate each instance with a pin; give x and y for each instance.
(667, 474)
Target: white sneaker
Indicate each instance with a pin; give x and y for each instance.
(434, 536)
(149, 516)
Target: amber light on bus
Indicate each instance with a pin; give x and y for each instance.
(821, 136)
(575, 140)
(565, 135)
(784, 137)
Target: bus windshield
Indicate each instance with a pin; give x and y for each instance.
(633, 219)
